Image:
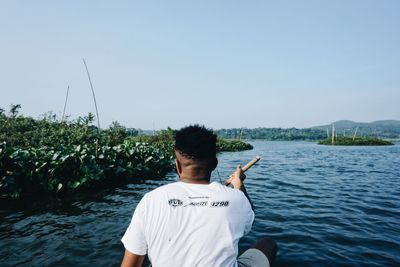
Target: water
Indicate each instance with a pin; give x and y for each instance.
(325, 206)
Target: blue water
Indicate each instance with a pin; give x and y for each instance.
(325, 206)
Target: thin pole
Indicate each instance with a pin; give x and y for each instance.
(333, 134)
(354, 136)
(94, 96)
(65, 105)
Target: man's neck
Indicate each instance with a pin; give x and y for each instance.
(195, 180)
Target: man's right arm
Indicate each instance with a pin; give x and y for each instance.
(237, 182)
(134, 238)
(132, 260)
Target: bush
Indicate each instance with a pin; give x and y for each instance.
(358, 141)
(232, 145)
(50, 170)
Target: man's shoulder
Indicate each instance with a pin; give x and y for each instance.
(228, 190)
(163, 189)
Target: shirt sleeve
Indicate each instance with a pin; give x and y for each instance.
(134, 239)
(249, 215)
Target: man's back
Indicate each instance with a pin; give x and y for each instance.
(184, 224)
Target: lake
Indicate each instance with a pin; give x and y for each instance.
(324, 205)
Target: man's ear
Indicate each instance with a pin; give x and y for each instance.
(178, 167)
(214, 164)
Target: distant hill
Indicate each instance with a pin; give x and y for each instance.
(382, 128)
(387, 122)
(386, 129)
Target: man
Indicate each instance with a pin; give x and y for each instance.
(192, 222)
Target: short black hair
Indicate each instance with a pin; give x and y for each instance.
(196, 142)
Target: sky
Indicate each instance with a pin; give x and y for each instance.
(223, 64)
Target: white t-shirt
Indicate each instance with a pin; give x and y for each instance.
(188, 225)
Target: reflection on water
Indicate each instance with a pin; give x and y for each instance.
(325, 206)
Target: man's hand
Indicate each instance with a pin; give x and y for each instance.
(236, 179)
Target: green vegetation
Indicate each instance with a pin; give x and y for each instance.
(273, 134)
(165, 138)
(358, 141)
(47, 156)
(232, 145)
(50, 170)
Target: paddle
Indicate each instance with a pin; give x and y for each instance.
(244, 168)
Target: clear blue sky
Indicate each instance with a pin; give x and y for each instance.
(219, 63)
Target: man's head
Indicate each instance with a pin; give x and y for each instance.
(195, 151)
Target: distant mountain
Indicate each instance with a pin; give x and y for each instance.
(348, 123)
(387, 129)
(381, 128)
(387, 122)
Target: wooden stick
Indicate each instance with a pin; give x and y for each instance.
(251, 163)
(65, 105)
(94, 96)
(246, 167)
